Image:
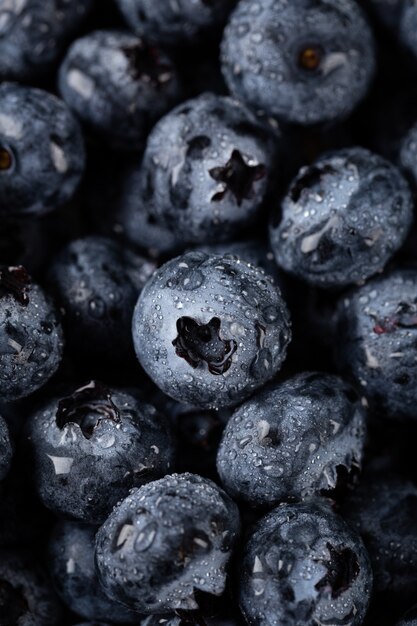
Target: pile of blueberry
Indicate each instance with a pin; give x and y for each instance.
(208, 312)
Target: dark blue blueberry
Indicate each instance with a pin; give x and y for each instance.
(409, 619)
(26, 598)
(41, 151)
(408, 153)
(169, 539)
(342, 219)
(204, 175)
(383, 510)
(118, 86)
(191, 620)
(303, 566)
(296, 439)
(97, 282)
(300, 61)
(34, 33)
(90, 448)
(6, 450)
(174, 23)
(31, 340)
(71, 566)
(377, 341)
(210, 330)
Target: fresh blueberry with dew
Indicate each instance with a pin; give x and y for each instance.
(169, 539)
(26, 597)
(6, 449)
(377, 334)
(300, 61)
(293, 440)
(383, 511)
(343, 218)
(204, 175)
(96, 282)
(91, 447)
(176, 23)
(34, 35)
(210, 330)
(303, 565)
(71, 565)
(118, 85)
(41, 151)
(31, 340)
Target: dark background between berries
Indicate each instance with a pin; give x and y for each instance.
(80, 237)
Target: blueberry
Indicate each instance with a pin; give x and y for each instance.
(210, 330)
(400, 18)
(97, 282)
(118, 86)
(303, 565)
(300, 61)
(26, 598)
(293, 440)
(31, 341)
(34, 34)
(91, 447)
(408, 153)
(377, 341)
(168, 539)
(71, 559)
(172, 23)
(343, 217)
(204, 174)
(41, 151)
(383, 510)
(6, 450)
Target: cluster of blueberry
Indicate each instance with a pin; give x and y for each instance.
(208, 312)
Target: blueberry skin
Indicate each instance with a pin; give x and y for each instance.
(293, 440)
(172, 23)
(299, 61)
(118, 86)
(383, 510)
(34, 35)
(303, 565)
(343, 218)
(26, 597)
(97, 282)
(41, 151)
(71, 563)
(377, 341)
(408, 153)
(31, 340)
(168, 539)
(205, 171)
(210, 330)
(6, 450)
(90, 448)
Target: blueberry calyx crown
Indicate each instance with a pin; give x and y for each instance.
(404, 317)
(145, 64)
(202, 342)
(87, 407)
(13, 604)
(15, 281)
(6, 159)
(342, 570)
(309, 179)
(237, 177)
(310, 57)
